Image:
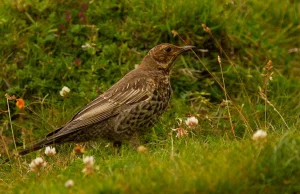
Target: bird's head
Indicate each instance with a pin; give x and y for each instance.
(163, 56)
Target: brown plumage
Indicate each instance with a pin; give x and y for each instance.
(128, 108)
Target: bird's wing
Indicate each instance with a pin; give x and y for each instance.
(108, 104)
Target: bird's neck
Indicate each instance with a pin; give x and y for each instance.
(149, 64)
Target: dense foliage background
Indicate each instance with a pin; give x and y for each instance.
(89, 45)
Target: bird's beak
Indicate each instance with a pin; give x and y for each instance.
(186, 48)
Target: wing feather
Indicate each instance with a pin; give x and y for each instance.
(107, 105)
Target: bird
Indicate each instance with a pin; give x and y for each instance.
(126, 110)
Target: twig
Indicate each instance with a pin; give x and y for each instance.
(172, 146)
(219, 83)
(263, 96)
(206, 29)
(12, 131)
(226, 94)
(4, 143)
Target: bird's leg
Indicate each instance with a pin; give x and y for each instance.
(135, 141)
(117, 146)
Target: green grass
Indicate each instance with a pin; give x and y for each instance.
(41, 51)
(199, 165)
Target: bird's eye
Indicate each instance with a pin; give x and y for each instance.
(168, 49)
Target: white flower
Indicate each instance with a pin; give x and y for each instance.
(89, 164)
(64, 91)
(191, 122)
(69, 183)
(181, 132)
(88, 170)
(88, 161)
(37, 164)
(86, 46)
(50, 151)
(259, 135)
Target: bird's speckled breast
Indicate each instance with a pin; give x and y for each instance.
(140, 118)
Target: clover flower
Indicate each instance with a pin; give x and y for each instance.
(89, 162)
(37, 164)
(259, 135)
(69, 183)
(191, 122)
(50, 151)
(64, 91)
(181, 132)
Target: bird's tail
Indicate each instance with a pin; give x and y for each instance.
(37, 146)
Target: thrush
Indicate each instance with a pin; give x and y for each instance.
(128, 109)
